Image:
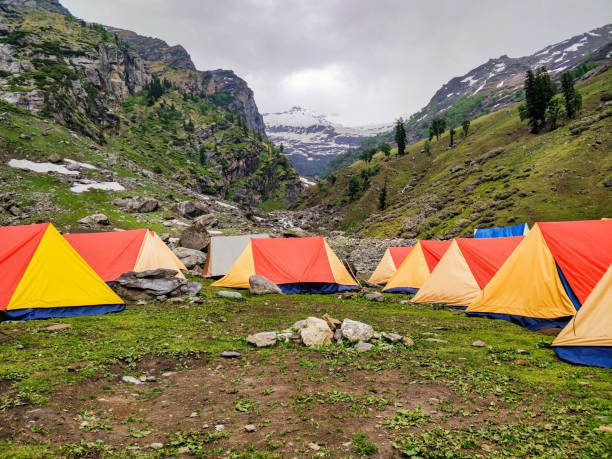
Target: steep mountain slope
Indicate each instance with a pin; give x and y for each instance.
(311, 141)
(192, 131)
(499, 174)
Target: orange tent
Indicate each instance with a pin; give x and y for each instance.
(296, 265)
(42, 276)
(388, 264)
(464, 270)
(111, 254)
(417, 266)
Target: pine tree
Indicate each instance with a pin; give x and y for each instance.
(382, 197)
(400, 137)
(573, 99)
(385, 148)
(465, 126)
(353, 187)
(451, 133)
(539, 90)
(437, 127)
(427, 147)
(553, 112)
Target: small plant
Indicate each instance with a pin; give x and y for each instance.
(404, 419)
(362, 445)
(245, 405)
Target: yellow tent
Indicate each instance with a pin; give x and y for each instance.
(587, 338)
(388, 264)
(464, 269)
(42, 276)
(549, 274)
(416, 267)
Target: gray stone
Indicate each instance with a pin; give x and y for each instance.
(157, 273)
(479, 343)
(138, 286)
(190, 209)
(522, 351)
(392, 337)
(250, 428)
(262, 339)
(299, 325)
(54, 158)
(316, 332)
(362, 346)
(230, 354)
(191, 288)
(375, 296)
(337, 335)
(195, 237)
(228, 294)
(191, 258)
(356, 331)
(436, 340)
(206, 220)
(156, 445)
(259, 285)
(95, 219)
(139, 205)
(131, 380)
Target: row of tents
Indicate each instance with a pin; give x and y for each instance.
(557, 275)
(538, 278)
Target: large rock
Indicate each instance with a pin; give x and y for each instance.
(95, 219)
(206, 220)
(195, 237)
(190, 209)
(139, 205)
(190, 257)
(228, 294)
(262, 339)
(145, 285)
(316, 332)
(354, 330)
(259, 285)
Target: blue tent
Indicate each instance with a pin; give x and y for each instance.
(504, 231)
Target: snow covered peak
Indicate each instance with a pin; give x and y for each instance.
(296, 117)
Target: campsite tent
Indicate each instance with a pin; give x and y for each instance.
(111, 254)
(42, 276)
(587, 338)
(464, 269)
(388, 264)
(504, 231)
(417, 266)
(223, 251)
(549, 275)
(296, 265)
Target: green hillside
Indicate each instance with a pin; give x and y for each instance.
(498, 175)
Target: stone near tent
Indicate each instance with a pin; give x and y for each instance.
(295, 232)
(195, 237)
(337, 335)
(375, 296)
(191, 289)
(259, 285)
(232, 295)
(263, 339)
(392, 337)
(56, 327)
(190, 257)
(190, 209)
(354, 330)
(316, 332)
(158, 273)
(147, 284)
(95, 219)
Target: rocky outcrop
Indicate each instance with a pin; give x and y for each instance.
(155, 49)
(50, 5)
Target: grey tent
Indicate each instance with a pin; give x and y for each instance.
(223, 252)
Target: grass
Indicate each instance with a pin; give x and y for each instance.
(550, 176)
(426, 400)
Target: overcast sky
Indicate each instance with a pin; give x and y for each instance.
(359, 61)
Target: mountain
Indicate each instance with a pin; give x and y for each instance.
(311, 141)
(499, 82)
(498, 175)
(132, 108)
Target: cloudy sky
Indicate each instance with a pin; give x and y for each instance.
(359, 61)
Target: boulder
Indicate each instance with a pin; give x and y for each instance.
(228, 294)
(145, 285)
(189, 209)
(195, 237)
(191, 289)
(295, 232)
(54, 158)
(331, 322)
(206, 220)
(262, 339)
(139, 205)
(230, 354)
(316, 332)
(259, 285)
(190, 257)
(362, 346)
(392, 337)
(356, 331)
(95, 219)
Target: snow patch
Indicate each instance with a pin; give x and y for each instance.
(446, 97)
(87, 185)
(559, 69)
(227, 206)
(500, 84)
(470, 80)
(479, 88)
(573, 48)
(306, 182)
(593, 34)
(500, 67)
(41, 168)
(72, 162)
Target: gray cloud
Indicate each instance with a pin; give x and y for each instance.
(363, 61)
